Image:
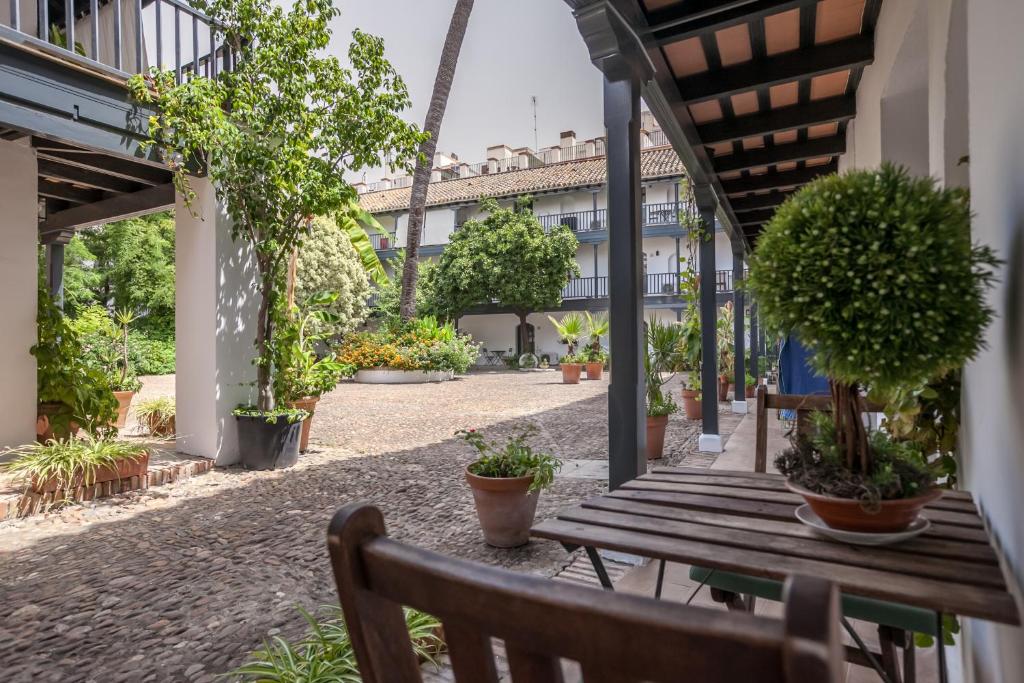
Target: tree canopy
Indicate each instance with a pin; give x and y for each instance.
(329, 263)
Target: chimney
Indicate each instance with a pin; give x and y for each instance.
(499, 152)
(567, 138)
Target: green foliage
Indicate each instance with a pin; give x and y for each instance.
(150, 356)
(325, 654)
(64, 376)
(355, 222)
(271, 416)
(724, 336)
(70, 462)
(419, 344)
(508, 258)
(106, 345)
(328, 262)
(875, 272)
(514, 458)
(278, 133)
(597, 327)
(299, 372)
(661, 356)
(156, 415)
(570, 328)
(389, 292)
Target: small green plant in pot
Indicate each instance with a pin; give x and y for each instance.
(874, 271)
(596, 356)
(726, 350)
(105, 349)
(66, 465)
(506, 481)
(570, 328)
(660, 359)
(156, 415)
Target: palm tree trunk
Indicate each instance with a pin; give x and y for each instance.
(432, 126)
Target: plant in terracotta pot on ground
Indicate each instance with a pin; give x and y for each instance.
(570, 328)
(596, 357)
(749, 385)
(660, 359)
(156, 415)
(726, 350)
(105, 347)
(68, 464)
(506, 480)
(874, 271)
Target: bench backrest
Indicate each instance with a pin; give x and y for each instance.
(803, 404)
(612, 636)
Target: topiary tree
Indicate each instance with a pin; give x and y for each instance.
(508, 258)
(328, 263)
(875, 272)
(278, 132)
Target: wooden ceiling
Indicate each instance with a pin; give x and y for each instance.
(768, 86)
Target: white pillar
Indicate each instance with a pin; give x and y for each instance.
(215, 319)
(19, 234)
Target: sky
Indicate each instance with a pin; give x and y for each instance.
(513, 49)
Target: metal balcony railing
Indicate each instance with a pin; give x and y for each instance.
(124, 37)
(577, 221)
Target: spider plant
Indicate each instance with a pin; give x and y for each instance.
(157, 415)
(70, 463)
(325, 654)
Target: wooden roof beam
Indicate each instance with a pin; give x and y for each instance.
(84, 177)
(789, 66)
(772, 200)
(833, 109)
(774, 181)
(755, 217)
(767, 156)
(688, 19)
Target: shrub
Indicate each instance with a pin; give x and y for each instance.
(420, 344)
(71, 462)
(151, 356)
(328, 262)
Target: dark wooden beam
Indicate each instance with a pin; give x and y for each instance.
(101, 163)
(122, 206)
(755, 217)
(789, 66)
(777, 120)
(69, 193)
(766, 156)
(758, 202)
(82, 176)
(773, 181)
(688, 19)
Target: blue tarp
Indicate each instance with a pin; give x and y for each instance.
(795, 374)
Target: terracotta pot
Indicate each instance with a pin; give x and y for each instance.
(849, 514)
(504, 507)
(309, 405)
(125, 469)
(46, 430)
(656, 436)
(692, 405)
(723, 388)
(161, 426)
(594, 370)
(124, 402)
(751, 391)
(571, 373)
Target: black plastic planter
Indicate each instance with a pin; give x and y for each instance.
(266, 445)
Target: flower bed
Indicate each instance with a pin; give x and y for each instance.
(418, 351)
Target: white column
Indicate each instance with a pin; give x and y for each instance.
(215, 314)
(19, 234)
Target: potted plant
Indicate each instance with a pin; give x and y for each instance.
(726, 351)
(156, 415)
(874, 271)
(749, 385)
(71, 463)
(280, 160)
(569, 329)
(506, 481)
(596, 357)
(661, 357)
(302, 377)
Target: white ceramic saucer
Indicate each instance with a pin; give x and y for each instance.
(807, 516)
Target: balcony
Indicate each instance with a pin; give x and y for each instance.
(657, 214)
(655, 284)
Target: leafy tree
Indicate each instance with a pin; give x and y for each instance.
(328, 263)
(277, 133)
(432, 126)
(506, 257)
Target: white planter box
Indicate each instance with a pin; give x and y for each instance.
(389, 376)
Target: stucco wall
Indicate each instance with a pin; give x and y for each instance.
(18, 273)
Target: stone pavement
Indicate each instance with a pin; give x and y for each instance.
(179, 583)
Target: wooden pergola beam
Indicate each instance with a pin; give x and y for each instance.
(122, 206)
(790, 66)
(833, 109)
(796, 151)
(689, 19)
(757, 202)
(755, 217)
(68, 193)
(774, 181)
(55, 170)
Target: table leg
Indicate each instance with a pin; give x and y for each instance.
(862, 646)
(940, 649)
(661, 579)
(595, 560)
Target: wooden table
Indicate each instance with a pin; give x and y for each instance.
(744, 522)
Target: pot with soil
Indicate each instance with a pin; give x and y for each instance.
(268, 441)
(656, 425)
(723, 388)
(54, 422)
(570, 371)
(692, 405)
(308, 404)
(124, 402)
(850, 514)
(594, 370)
(123, 469)
(750, 391)
(506, 482)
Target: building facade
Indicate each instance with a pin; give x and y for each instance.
(567, 185)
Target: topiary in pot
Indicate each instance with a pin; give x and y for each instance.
(875, 272)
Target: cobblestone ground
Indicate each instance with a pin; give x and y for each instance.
(180, 582)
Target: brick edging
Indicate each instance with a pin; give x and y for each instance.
(28, 502)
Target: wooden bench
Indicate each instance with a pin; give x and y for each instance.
(613, 637)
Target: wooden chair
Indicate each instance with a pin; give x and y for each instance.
(613, 636)
(896, 623)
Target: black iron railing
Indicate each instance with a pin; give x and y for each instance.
(666, 213)
(117, 36)
(577, 221)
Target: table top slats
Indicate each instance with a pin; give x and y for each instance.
(814, 549)
(974, 553)
(965, 600)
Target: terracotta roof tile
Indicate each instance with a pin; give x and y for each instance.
(661, 162)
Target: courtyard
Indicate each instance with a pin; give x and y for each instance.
(181, 582)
